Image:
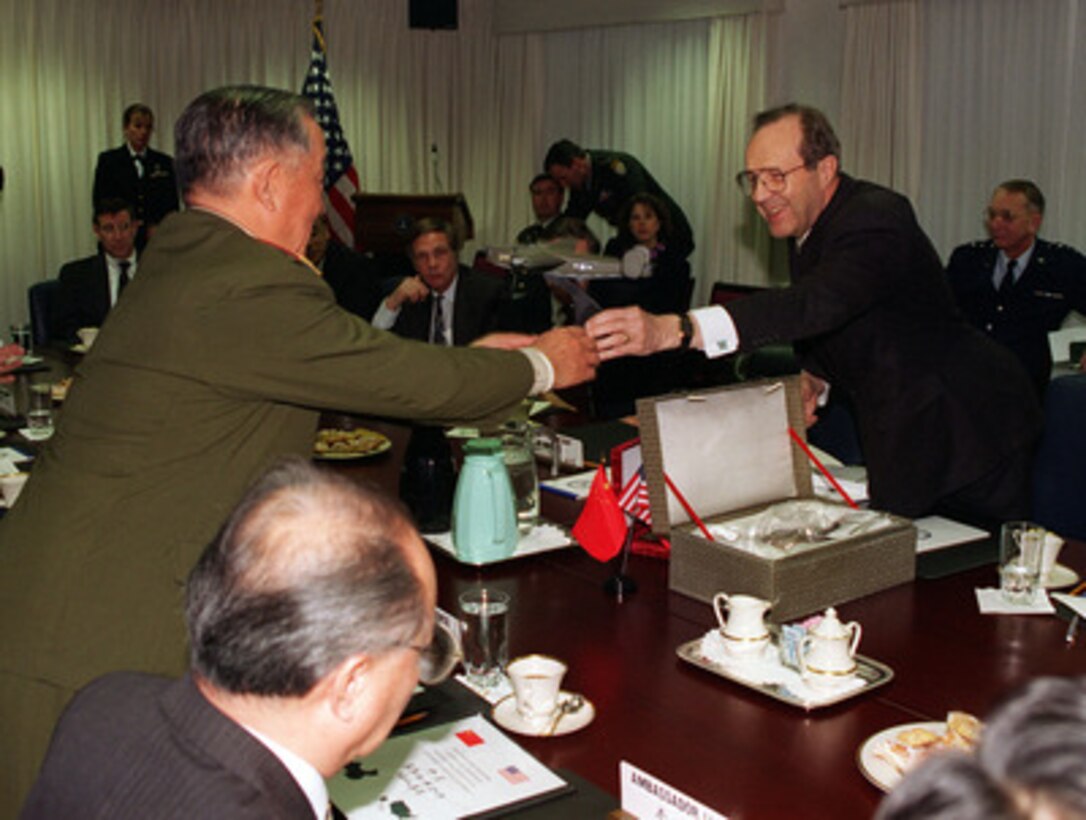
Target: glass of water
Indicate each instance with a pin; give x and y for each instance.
(519, 457)
(39, 414)
(1021, 545)
(484, 616)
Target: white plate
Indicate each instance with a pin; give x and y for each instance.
(505, 714)
(880, 773)
(1060, 576)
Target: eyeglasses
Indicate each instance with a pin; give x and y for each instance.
(772, 178)
(438, 658)
(991, 215)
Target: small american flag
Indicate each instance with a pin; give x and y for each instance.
(634, 498)
(513, 775)
(340, 176)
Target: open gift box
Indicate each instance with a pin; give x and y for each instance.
(729, 452)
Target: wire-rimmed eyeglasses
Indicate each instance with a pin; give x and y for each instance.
(772, 178)
(439, 657)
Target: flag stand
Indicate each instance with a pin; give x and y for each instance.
(620, 584)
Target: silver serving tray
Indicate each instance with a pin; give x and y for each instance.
(871, 672)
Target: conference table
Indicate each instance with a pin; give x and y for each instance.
(735, 750)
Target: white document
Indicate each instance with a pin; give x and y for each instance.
(935, 533)
(647, 798)
(454, 770)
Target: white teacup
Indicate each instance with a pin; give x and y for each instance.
(87, 335)
(537, 683)
(11, 484)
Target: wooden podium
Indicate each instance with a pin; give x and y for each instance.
(383, 221)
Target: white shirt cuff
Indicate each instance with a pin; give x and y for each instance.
(542, 370)
(718, 334)
(385, 317)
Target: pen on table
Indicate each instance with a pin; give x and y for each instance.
(1072, 628)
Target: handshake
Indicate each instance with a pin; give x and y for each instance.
(576, 352)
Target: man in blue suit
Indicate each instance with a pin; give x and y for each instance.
(1015, 286)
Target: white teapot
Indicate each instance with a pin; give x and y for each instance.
(827, 654)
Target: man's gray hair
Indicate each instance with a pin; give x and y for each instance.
(223, 130)
(307, 571)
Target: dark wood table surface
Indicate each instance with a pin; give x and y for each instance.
(743, 754)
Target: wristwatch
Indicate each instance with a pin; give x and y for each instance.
(686, 327)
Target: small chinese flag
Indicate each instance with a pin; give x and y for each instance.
(601, 527)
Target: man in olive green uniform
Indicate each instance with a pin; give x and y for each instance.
(216, 363)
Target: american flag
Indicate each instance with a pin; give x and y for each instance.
(340, 176)
(634, 498)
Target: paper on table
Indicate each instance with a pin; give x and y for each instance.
(1076, 603)
(991, 602)
(8, 458)
(934, 533)
(461, 768)
(574, 486)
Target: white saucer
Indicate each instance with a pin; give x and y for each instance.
(505, 714)
(1060, 576)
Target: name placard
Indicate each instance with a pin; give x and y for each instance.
(649, 798)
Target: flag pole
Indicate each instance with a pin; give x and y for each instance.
(620, 584)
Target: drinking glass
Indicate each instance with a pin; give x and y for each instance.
(39, 415)
(484, 618)
(1021, 545)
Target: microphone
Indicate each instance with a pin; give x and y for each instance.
(434, 160)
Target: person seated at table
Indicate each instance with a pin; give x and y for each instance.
(1015, 286)
(308, 617)
(354, 279)
(646, 225)
(90, 287)
(445, 303)
(1030, 764)
(547, 197)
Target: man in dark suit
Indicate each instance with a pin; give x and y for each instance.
(335, 578)
(138, 174)
(602, 181)
(947, 418)
(547, 196)
(353, 278)
(1015, 286)
(446, 303)
(90, 287)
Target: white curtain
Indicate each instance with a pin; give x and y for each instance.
(943, 99)
(882, 88)
(423, 111)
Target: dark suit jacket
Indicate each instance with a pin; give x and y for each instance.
(1051, 286)
(615, 178)
(354, 279)
(83, 297)
(136, 745)
(939, 406)
(153, 196)
(479, 300)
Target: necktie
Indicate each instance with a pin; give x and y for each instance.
(438, 336)
(1007, 285)
(139, 165)
(122, 280)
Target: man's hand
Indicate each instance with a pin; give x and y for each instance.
(410, 289)
(630, 331)
(811, 389)
(505, 341)
(572, 354)
(11, 356)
